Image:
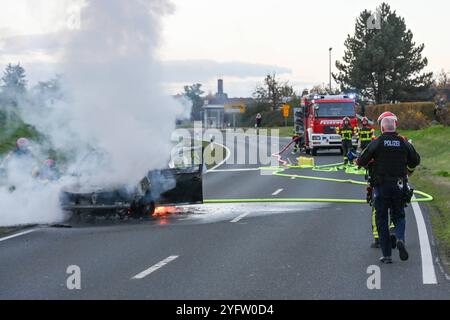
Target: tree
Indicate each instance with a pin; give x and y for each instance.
(324, 90)
(48, 91)
(382, 61)
(13, 84)
(194, 93)
(273, 92)
(442, 80)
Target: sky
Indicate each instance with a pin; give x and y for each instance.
(237, 40)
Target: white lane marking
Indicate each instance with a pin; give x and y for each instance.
(289, 160)
(277, 192)
(236, 170)
(428, 272)
(242, 216)
(223, 161)
(293, 178)
(17, 235)
(152, 269)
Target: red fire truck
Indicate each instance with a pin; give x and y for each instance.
(318, 118)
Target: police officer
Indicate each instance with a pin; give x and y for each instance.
(346, 132)
(394, 159)
(366, 133)
(370, 200)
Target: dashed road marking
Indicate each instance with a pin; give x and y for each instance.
(277, 192)
(242, 216)
(152, 269)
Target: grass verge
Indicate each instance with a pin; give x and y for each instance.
(433, 176)
(213, 154)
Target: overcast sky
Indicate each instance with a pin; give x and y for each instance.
(239, 40)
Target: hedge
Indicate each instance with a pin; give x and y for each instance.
(426, 108)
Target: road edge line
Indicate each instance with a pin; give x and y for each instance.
(17, 235)
(428, 270)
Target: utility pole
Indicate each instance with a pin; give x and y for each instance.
(331, 49)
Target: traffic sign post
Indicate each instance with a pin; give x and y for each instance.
(286, 108)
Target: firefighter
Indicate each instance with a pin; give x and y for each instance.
(296, 137)
(394, 159)
(347, 132)
(366, 133)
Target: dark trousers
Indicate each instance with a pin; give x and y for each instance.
(364, 144)
(347, 146)
(388, 197)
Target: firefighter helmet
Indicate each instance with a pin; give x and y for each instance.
(365, 120)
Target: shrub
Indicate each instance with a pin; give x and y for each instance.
(426, 108)
(412, 120)
(443, 116)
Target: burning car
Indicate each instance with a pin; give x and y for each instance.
(180, 184)
(168, 187)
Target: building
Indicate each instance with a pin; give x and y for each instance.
(215, 113)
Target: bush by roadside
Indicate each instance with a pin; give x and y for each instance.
(412, 120)
(412, 115)
(13, 128)
(426, 108)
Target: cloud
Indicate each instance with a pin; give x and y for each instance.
(48, 43)
(204, 70)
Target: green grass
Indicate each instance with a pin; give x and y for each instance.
(5, 231)
(13, 128)
(213, 156)
(433, 177)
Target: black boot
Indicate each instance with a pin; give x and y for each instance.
(375, 244)
(393, 241)
(402, 250)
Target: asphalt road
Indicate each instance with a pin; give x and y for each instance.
(233, 251)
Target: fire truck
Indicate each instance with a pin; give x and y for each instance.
(319, 116)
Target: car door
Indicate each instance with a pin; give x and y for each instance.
(179, 186)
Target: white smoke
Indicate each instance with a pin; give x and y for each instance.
(115, 121)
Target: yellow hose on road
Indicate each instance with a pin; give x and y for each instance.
(278, 171)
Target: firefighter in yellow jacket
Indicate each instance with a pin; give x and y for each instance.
(347, 132)
(366, 133)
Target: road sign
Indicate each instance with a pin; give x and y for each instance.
(286, 109)
(235, 108)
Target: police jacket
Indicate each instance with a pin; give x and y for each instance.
(393, 157)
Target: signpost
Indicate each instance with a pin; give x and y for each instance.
(286, 109)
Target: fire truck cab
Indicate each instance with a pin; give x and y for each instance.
(318, 118)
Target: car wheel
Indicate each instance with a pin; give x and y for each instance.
(314, 152)
(308, 151)
(147, 210)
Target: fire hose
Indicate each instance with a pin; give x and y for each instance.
(279, 171)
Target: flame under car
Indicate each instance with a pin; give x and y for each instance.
(168, 187)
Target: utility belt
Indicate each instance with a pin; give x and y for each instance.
(402, 182)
